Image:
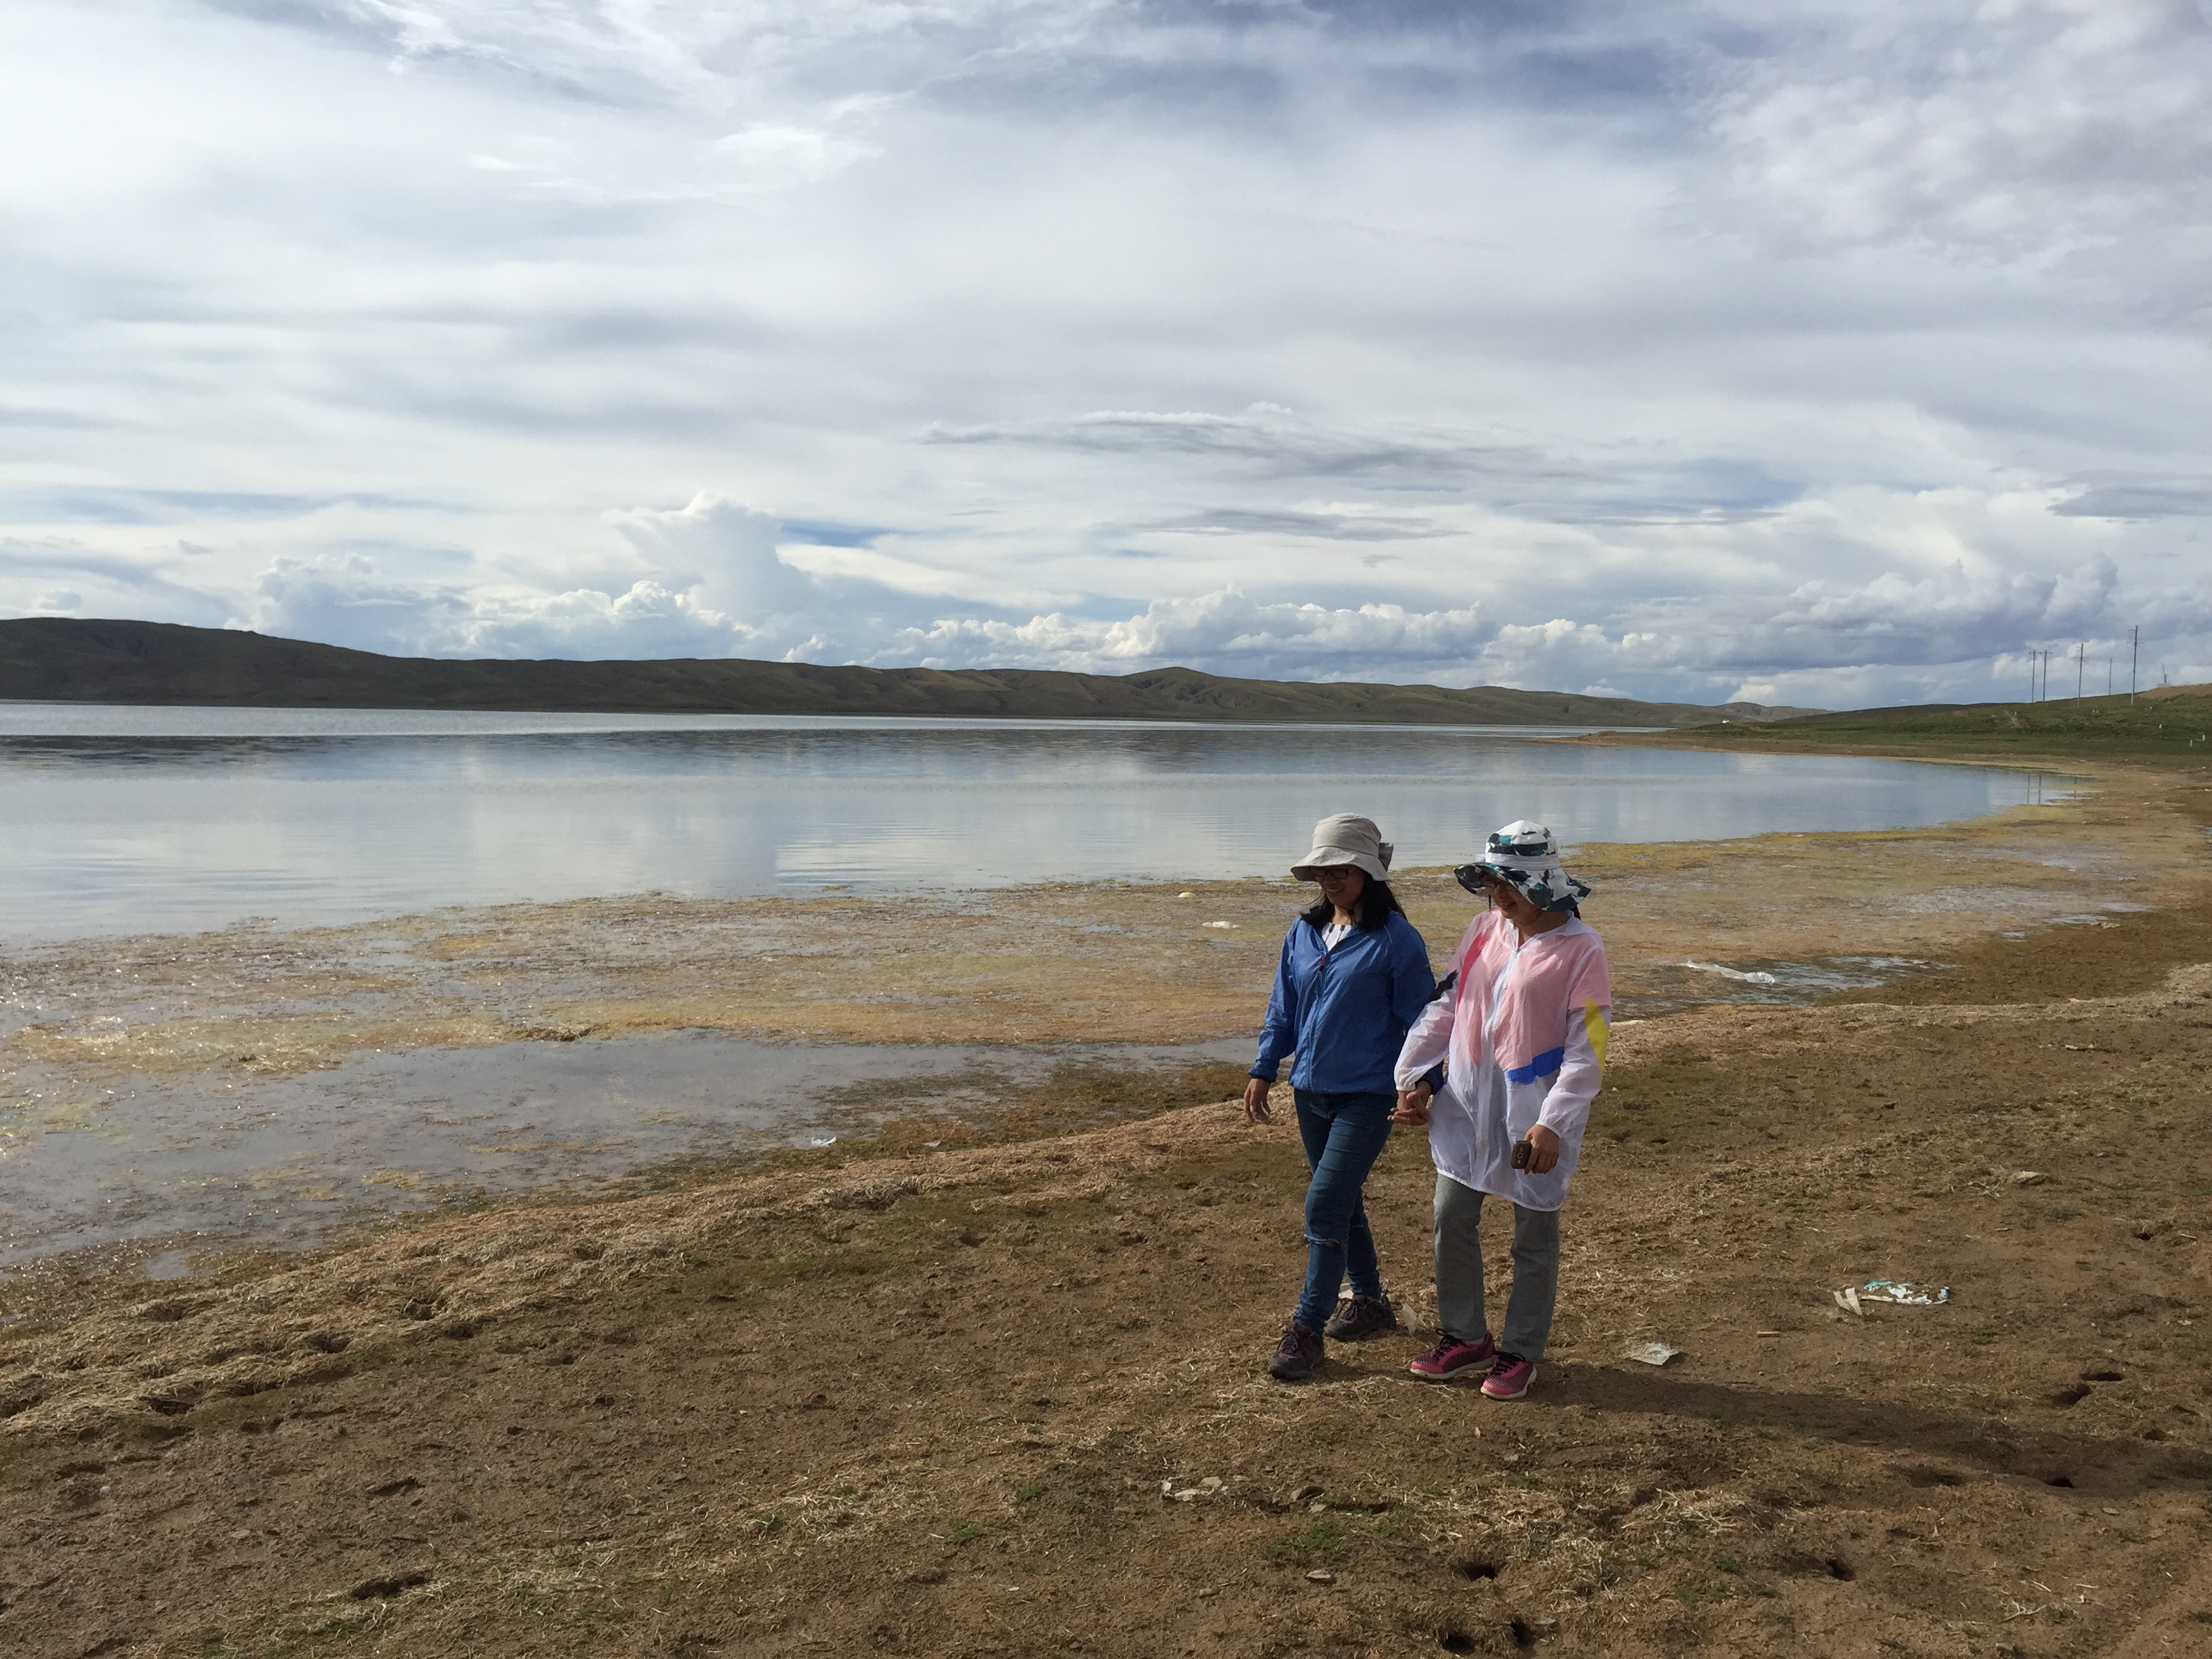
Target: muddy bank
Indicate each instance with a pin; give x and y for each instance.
(1008, 1399)
(183, 1164)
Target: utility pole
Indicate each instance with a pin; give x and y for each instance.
(2081, 660)
(2135, 650)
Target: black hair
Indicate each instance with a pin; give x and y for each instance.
(1377, 904)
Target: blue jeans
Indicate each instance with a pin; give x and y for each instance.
(1344, 1134)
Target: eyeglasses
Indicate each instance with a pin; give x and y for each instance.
(1331, 872)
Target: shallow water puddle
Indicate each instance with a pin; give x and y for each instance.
(203, 1159)
(1662, 988)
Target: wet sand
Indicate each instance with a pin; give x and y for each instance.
(183, 1164)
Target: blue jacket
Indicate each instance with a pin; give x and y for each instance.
(1345, 1013)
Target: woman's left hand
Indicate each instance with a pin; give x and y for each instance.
(1543, 1150)
(1255, 1101)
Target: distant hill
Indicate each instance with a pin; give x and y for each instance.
(61, 659)
(2170, 725)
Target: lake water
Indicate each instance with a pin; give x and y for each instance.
(130, 820)
(201, 1159)
(145, 820)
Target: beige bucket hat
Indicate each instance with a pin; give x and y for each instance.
(1348, 838)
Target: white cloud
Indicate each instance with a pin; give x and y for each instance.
(771, 156)
(2035, 130)
(1846, 348)
(344, 602)
(646, 621)
(1227, 629)
(723, 547)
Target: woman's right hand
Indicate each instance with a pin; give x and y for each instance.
(1255, 1101)
(1412, 1105)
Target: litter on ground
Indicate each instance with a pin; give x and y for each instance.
(1906, 1296)
(1653, 1354)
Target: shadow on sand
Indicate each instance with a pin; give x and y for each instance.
(1989, 1445)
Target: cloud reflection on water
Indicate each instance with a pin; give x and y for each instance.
(168, 820)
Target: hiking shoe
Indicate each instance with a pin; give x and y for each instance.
(1509, 1377)
(1361, 1318)
(1451, 1356)
(1296, 1355)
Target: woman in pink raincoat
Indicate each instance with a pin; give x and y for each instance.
(1523, 1033)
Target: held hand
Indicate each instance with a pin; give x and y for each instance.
(1543, 1150)
(1255, 1101)
(1412, 1105)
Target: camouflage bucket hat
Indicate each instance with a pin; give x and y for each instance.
(1526, 856)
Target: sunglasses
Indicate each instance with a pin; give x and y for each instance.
(1479, 878)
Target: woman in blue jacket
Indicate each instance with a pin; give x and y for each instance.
(1353, 977)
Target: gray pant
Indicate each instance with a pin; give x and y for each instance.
(1459, 1271)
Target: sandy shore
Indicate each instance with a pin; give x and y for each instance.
(1004, 1397)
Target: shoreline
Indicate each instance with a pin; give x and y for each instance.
(109, 1030)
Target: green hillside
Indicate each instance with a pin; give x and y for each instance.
(2172, 726)
(62, 660)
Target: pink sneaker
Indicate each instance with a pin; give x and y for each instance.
(1451, 1356)
(1509, 1377)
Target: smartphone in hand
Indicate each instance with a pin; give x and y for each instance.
(1523, 1152)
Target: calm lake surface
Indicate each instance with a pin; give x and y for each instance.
(147, 820)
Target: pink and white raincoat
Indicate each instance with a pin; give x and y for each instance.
(1522, 1034)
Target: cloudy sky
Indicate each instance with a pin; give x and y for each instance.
(1834, 353)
